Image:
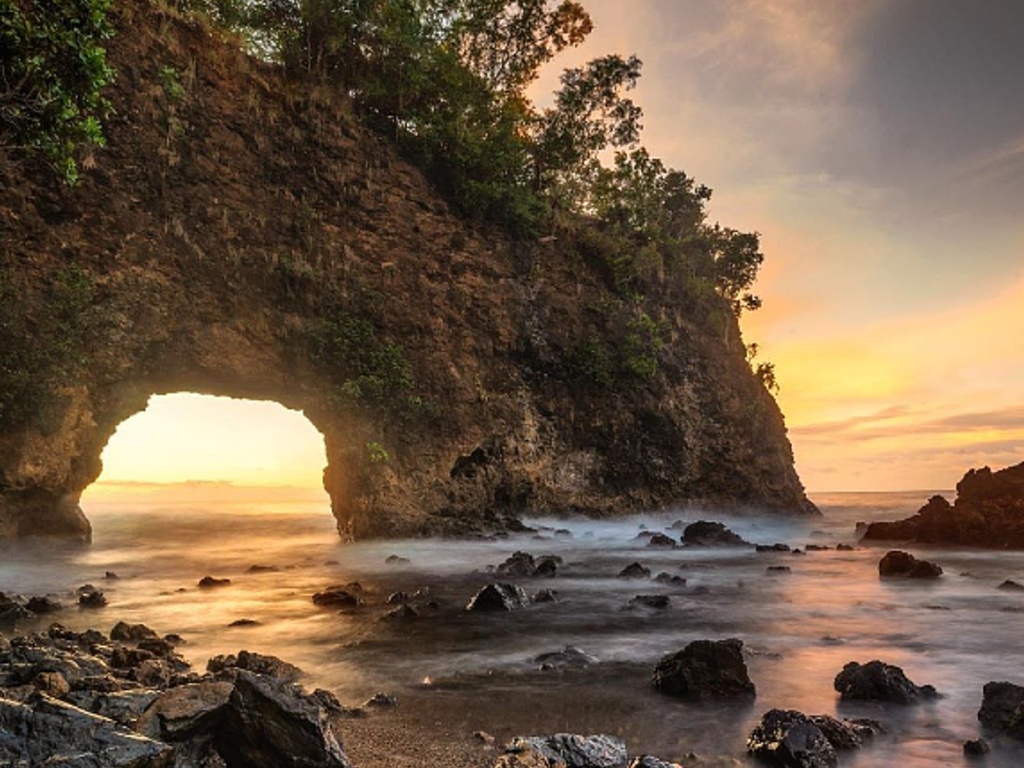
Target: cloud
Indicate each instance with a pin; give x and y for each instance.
(901, 421)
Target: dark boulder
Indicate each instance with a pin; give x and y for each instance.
(877, 681)
(258, 663)
(132, 633)
(845, 735)
(91, 598)
(270, 723)
(11, 611)
(519, 565)
(396, 560)
(545, 596)
(635, 571)
(209, 582)
(46, 732)
(705, 669)
(42, 605)
(333, 597)
(547, 566)
(499, 597)
(668, 578)
(1002, 708)
(900, 564)
(565, 749)
(790, 739)
(1011, 586)
(772, 548)
(661, 540)
(186, 711)
(710, 534)
(570, 657)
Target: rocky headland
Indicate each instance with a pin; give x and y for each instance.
(241, 236)
(988, 512)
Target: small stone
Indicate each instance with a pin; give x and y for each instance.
(381, 700)
(483, 737)
(209, 582)
(110, 576)
(244, 623)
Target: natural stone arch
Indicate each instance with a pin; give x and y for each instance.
(221, 233)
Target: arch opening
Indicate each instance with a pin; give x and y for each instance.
(226, 456)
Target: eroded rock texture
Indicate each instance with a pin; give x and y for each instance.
(240, 237)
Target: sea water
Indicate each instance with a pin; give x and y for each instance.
(473, 671)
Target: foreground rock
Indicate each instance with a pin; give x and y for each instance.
(791, 739)
(1002, 708)
(564, 749)
(877, 681)
(705, 669)
(86, 700)
(988, 512)
(499, 597)
(709, 534)
(899, 564)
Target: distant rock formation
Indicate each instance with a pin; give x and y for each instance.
(988, 512)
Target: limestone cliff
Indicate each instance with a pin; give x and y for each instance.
(240, 236)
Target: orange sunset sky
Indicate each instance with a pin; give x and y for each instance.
(878, 147)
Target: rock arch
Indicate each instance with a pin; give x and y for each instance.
(241, 240)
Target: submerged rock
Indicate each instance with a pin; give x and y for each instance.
(772, 548)
(209, 582)
(650, 761)
(976, 748)
(903, 564)
(91, 598)
(499, 597)
(710, 534)
(668, 578)
(877, 681)
(1011, 586)
(1002, 708)
(564, 749)
(661, 540)
(651, 601)
(790, 739)
(42, 605)
(635, 571)
(335, 596)
(570, 657)
(705, 669)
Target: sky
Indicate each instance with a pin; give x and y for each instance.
(878, 148)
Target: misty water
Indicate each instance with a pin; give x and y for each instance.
(465, 672)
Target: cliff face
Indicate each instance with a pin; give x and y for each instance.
(239, 236)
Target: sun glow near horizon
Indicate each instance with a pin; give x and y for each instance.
(206, 444)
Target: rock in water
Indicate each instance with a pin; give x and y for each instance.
(790, 739)
(661, 540)
(976, 748)
(132, 633)
(565, 749)
(705, 669)
(1002, 708)
(570, 658)
(498, 597)
(337, 596)
(635, 571)
(254, 662)
(518, 566)
(53, 733)
(877, 681)
(709, 534)
(903, 564)
(269, 723)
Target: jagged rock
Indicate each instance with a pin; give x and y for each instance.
(42, 605)
(772, 548)
(1011, 586)
(381, 700)
(709, 534)
(11, 611)
(545, 596)
(270, 723)
(519, 565)
(705, 669)
(209, 582)
(790, 739)
(877, 681)
(1002, 708)
(901, 564)
(132, 633)
(123, 707)
(976, 748)
(498, 597)
(569, 750)
(337, 596)
(254, 662)
(845, 735)
(635, 571)
(186, 711)
(661, 540)
(49, 732)
(404, 611)
(651, 601)
(570, 657)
